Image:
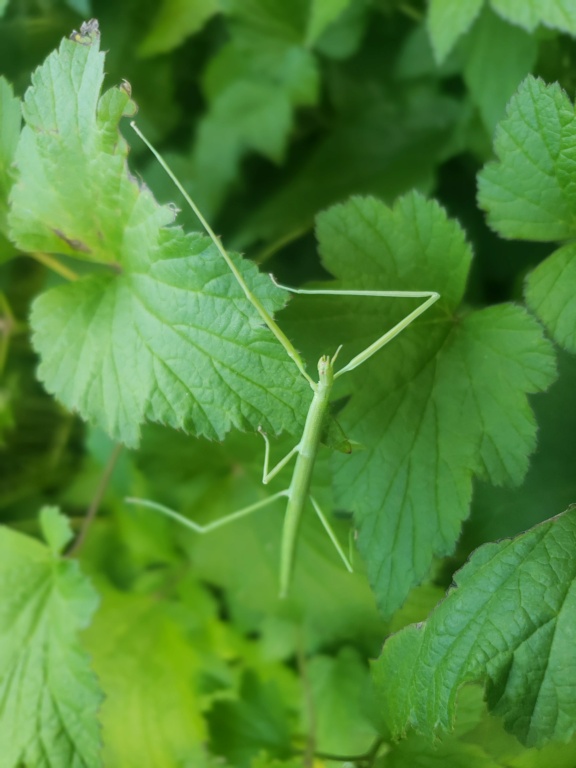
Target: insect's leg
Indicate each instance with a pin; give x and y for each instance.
(269, 475)
(429, 296)
(258, 306)
(210, 526)
(331, 534)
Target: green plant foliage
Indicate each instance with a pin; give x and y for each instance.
(146, 292)
(133, 364)
(508, 619)
(147, 668)
(409, 475)
(528, 195)
(49, 694)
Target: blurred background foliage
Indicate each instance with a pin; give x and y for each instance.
(269, 111)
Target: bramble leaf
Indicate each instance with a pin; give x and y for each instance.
(49, 695)
(509, 621)
(447, 20)
(529, 194)
(162, 331)
(151, 712)
(444, 402)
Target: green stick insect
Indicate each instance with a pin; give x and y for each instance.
(306, 450)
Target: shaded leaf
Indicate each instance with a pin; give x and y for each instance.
(509, 621)
(49, 695)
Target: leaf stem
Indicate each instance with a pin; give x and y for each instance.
(54, 265)
(96, 501)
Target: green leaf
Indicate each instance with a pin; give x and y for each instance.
(55, 528)
(508, 620)
(176, 20)
(165, 333)
(151, 711)
(428, 409)
(322, 14)
(10, 120)
(491, 74)
(253, 85)
(528, 193)
(382, 148)
(337, 689)
(257, 721)
(550, 294)
(557, 14)
(49, 695)
(447, 20)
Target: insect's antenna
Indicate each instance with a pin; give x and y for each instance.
(282, 338)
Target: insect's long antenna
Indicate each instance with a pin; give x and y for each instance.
(282, 338)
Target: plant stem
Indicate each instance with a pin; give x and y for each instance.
(96, 501)
(54, 265)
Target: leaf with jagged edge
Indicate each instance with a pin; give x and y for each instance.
(529, 194)
(49, 695)
(509, 620)
(160, 331)
(445, 401)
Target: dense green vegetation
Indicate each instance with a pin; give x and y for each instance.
(352, 144)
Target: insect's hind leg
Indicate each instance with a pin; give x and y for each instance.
(330, 531)
(210, 526)
(430, 298)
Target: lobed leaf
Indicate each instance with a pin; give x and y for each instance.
(508, 620)
(49, 695)
(162, 331)
(445, 401)
(529, 193)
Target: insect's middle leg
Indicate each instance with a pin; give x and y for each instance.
(269, 475)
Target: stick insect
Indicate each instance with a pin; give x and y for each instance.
(306, 450)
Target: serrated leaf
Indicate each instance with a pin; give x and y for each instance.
(529, 191)
(151, 713)
(508, 620)
(491, 74)
(164, 334)
(447, 20)
(49, 695)
(529, 194)
(550, 294)
(176, 20)
(445, 401)
(557, 14)
(56, 529)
